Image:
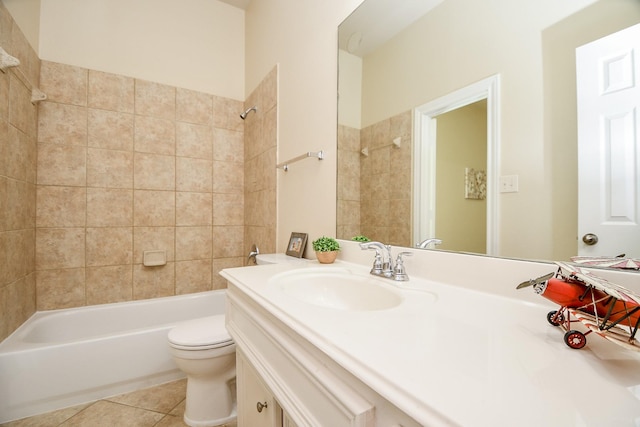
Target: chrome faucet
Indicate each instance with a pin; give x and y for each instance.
(383, 262)
(427, 242)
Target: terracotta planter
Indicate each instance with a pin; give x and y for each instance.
(326, 257)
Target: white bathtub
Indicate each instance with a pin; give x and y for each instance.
(62, 358)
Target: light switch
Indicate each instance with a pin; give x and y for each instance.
(509, 184)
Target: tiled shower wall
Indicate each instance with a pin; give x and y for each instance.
(18, 127)
(260, 165)
(127, 166)
(380, 207)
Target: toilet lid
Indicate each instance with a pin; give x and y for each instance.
(209, 332)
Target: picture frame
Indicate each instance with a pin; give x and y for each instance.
(297, 243)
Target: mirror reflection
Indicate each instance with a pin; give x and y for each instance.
(447, 46)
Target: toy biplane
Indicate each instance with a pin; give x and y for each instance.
(605, 308)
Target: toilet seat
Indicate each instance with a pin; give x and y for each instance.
(200, 334)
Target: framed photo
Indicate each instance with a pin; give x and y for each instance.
(297, 242)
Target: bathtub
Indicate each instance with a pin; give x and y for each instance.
(62, 358)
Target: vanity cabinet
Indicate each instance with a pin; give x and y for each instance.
(258, 404)
(299, 383)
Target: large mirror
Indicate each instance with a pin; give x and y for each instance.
(512, 178)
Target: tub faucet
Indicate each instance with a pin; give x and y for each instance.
(427, 242)
(383, 262)
(252, 255)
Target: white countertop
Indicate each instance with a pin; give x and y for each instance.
(476, 358)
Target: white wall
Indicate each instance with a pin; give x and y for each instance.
(193, 44)
(301, 36)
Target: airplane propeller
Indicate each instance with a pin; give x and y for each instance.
(533, 282)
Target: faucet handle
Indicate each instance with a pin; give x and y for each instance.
(377, 264)
(399, 272)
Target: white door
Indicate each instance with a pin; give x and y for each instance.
(608, 79)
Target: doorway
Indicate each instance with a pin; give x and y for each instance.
(449, 185)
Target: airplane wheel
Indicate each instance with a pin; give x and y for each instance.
(575, 339)
(557, 321)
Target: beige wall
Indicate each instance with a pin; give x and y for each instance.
(18, 129)
(461, 223)
(261, 131)
(126, 166)
(26, 14)
(193, 44)
(302, 38)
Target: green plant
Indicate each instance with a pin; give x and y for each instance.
(361, 238)
(325, 244)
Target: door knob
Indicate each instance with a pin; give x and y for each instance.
(590, 239)
(260, 406)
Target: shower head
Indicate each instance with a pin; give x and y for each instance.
(247, 111)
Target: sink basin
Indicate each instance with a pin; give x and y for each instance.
(338, 288)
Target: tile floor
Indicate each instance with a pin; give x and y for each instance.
(160, 406)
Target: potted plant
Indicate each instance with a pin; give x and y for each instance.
(360, 238)
(326, 249)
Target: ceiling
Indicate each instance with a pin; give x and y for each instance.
(359, 33)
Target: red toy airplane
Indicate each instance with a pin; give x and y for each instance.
(605, 308)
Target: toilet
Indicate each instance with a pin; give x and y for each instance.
(203, 349)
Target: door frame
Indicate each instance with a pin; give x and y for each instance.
(424, 155)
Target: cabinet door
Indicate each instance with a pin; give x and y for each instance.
(256, 405)
(286, 421)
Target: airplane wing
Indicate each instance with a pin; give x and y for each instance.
(611, 262)
(600, 283)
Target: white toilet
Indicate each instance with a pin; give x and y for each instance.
(204, 351)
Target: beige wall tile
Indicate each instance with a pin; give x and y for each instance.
(228, 209)
(194, 140)
(20, 210)
(4, 266)
(19, 154)
(58, 248)
(20, 259)
(227, 241)
(226, 113)
(155, 99)
(4, 95)
(111, 92)
(193, 107)
(61, 206)
(109, 284)
(22, 114)
(64, 83)
(193, 174)
(4, 201)
(62, 165)
(60, 288)
(153, 282)
(154, 172)
(193, 243)
(194, 208)
(109, 168)
(154, 208)
(228, 146)
(109, 207)
(62, 124)
(219, 282)
(110, 130)
(4, 144)
(193, 276)
(228, 177)
(155, 135)
(153, 239)
(109, 246)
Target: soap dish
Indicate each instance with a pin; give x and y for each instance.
(154, 258)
